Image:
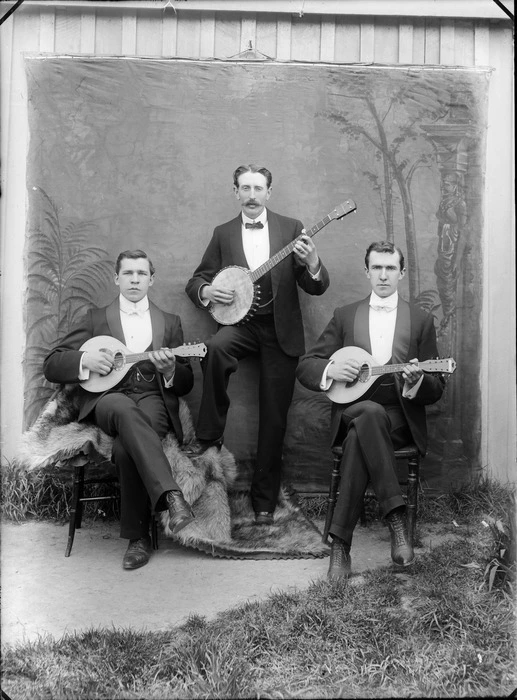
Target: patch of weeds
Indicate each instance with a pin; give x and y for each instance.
(48, 496)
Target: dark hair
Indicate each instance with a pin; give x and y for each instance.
(252, 169)
(383, 247)
(133, 255)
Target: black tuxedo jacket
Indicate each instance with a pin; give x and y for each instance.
(226, 248)
(62, 364)
(415, 336)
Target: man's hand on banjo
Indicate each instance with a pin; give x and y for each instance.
(217, 295)
(306, 252)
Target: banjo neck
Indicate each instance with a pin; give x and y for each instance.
(259, 272)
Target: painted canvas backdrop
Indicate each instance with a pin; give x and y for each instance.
(128, 153)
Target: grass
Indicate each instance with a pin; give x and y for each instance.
(433, 631)
(47, 496)
(443, 628)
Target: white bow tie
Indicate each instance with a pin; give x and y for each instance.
(136, 312)
(380, 307)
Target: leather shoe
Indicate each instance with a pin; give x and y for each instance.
(202, 446)
(402, 552)
(180, 513)
(340, 567)
(137, 554)
(264, 518)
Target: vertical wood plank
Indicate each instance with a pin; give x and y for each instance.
(386, 41)
(21, 33)
(207, 35)
(432, 41)
(128, 40)
(108, 33)
(169, 33)
(227, 39)
(305, 38)
(149, 33)
(348, 41)
(266, 34)
(47, 30)
(447, 42)
(283, 45)
(248, 31)
(481, 44)
(463, 43)
(327, 38)
(367, 45)
(67, 31)
(88, 32)
(418, 40)
(405, 43)
(188, 35)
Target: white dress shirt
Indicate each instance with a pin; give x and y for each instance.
(382, 320)
(136, 323)
(255, 241)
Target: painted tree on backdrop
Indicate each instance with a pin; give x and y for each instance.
(66, 275)
(386, 111)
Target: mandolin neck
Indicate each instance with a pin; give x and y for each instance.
(255, 275)
(137, 357)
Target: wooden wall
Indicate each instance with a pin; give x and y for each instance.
(441, 32)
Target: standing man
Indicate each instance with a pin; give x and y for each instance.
(275, 332)
(370, 430)
(142, 408)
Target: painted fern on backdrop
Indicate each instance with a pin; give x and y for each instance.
(66, 274)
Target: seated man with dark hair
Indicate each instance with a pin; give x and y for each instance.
(139, 410)
(371, 429)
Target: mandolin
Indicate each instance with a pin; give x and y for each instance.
(371, 372)
(243, 281)
(124, 359)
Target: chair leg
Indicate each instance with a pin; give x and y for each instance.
(76, 507)
(333, 492)
(412, 496)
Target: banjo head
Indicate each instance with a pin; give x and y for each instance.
(238, 279)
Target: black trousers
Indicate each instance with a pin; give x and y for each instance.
(276, 385)
(372, 432)
(137, 422)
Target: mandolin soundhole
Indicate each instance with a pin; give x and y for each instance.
(118, 361)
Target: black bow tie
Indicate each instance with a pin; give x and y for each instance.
(255, 224)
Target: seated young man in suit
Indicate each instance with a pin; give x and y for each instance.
(140, 410)
(274, 333)
(372, 428)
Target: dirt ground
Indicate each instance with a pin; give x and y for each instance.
(44, 593)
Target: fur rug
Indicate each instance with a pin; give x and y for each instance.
(224, 524)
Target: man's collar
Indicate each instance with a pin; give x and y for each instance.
(262, 218)
(131, 307)
(390, 302)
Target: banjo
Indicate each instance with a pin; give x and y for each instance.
(242, 281)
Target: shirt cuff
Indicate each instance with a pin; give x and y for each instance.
(167, 383)
(83, 373)
(317, 275)
(325, 381)
(411, 392)
(203, 302)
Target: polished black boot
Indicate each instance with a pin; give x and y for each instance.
(340, 567)
(137, 553)
(180, 513)
(402, 552)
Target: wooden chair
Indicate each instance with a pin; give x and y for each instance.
(411, 454)
(84, 462)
